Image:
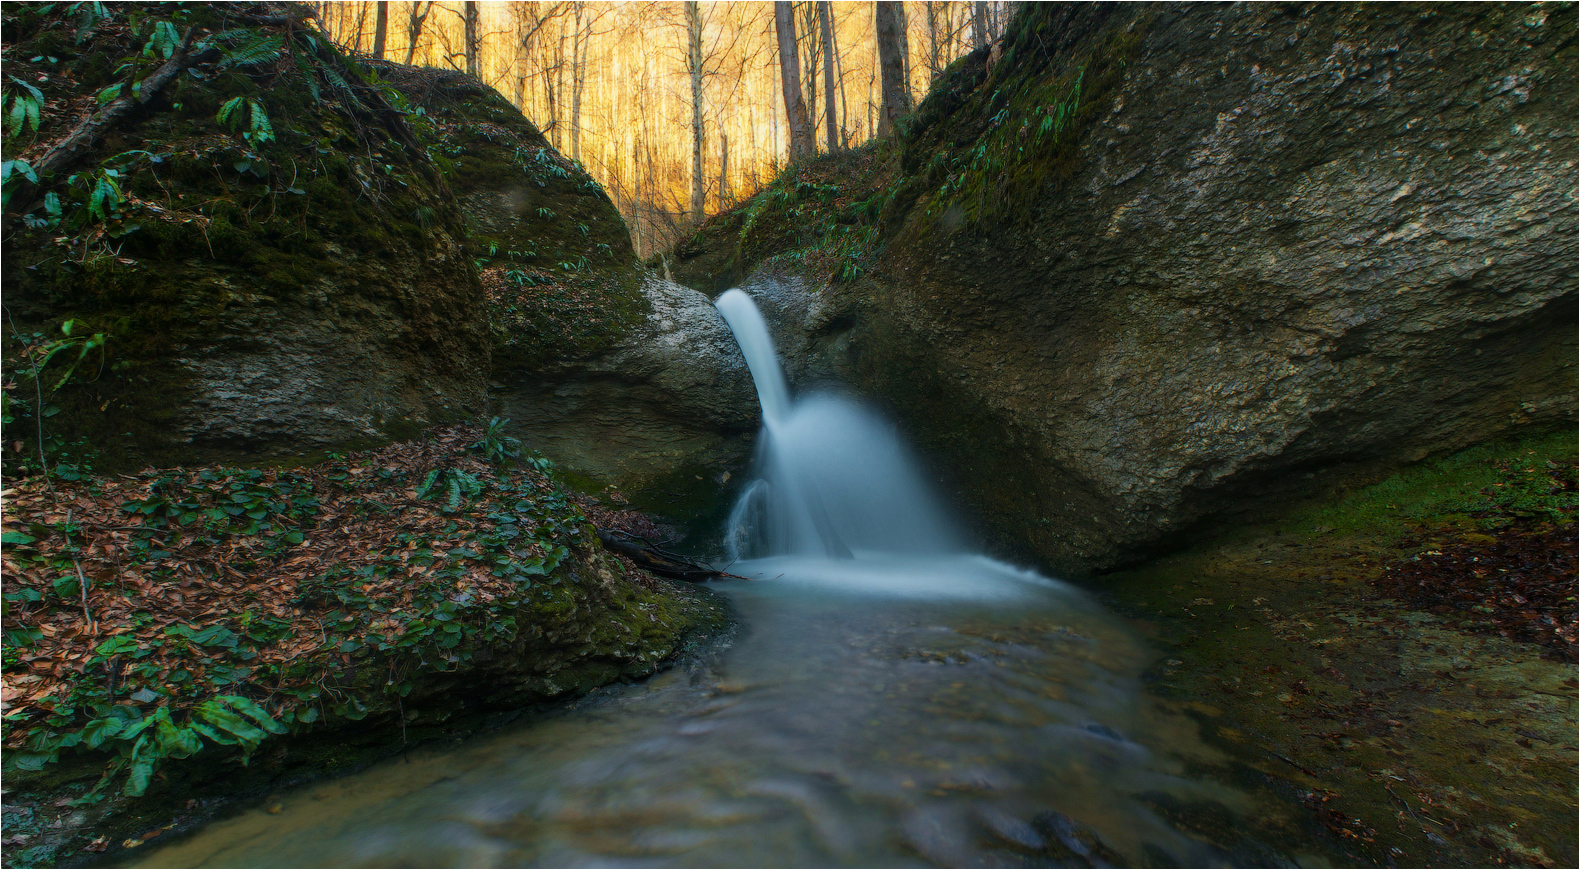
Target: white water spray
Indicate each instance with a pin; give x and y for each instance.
(833, 479)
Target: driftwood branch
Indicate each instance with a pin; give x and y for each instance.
(650, 558)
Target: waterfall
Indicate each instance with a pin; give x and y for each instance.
(833, 479)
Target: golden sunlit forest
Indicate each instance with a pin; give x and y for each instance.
(676, 107)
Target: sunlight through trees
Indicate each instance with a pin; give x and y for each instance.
(677, 108)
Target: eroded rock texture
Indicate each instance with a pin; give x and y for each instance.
(1273, 244)
(666, 412)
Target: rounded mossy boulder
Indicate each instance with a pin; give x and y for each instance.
(268, 251)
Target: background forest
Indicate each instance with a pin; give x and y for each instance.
(677, 108)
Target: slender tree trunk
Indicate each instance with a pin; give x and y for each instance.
(934, 50)
(472, 39)
(801, 142)
(807, 46)
(725, 194)
(414, 23)
(699, 186)
(905, 50)
(825, 20)
(891, 63)
(381, 27)
(578, 80)
(979, 24)
(839, 78)
(361, 24)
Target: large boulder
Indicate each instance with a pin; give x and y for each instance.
(621, 378)
(1280, 239)
(666, 413)
(361, 248)
(1149, 268)
(275, 261)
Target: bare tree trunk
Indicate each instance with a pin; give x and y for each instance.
(699, 187)
(891, 63)
(934, 50)
(578, 80)
(381, 27)
(471, 39)
(414, 23)
(825, 20)
(905, 49)
(839, 78)
(801, 143)
(361, 25)
(979, 24)
(726, 196)
(808, 39)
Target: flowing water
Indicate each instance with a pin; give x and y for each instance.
(891, 700)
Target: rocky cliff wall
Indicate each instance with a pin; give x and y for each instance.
(1147, 268)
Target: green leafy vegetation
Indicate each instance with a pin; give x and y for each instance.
(249, 170)
(177, 612)
(21, 107)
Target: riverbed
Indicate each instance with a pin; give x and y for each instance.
(950, 712)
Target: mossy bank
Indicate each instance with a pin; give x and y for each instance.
(225, 626)
(1418, 735)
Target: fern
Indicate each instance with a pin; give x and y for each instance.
(10, 173)
(105, 198)
(262, 130)
(259, 50)
(258, 127)
(92, 15)
(228, 110)
(141, 744)
(427, 483)
(339, 83)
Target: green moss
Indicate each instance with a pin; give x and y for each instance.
(1274, 641)
(1454, 490)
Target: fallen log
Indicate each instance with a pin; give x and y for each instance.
(650, 558)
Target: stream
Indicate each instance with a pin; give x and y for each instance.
(890, 699)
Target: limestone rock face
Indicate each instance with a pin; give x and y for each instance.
(810, 327)
(666, 414)
(1273, 245)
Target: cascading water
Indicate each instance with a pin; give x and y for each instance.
(834, 480)
(892, 700)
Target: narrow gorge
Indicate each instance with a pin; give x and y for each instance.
(1157, 450)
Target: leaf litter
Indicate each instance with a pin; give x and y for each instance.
(208, 581)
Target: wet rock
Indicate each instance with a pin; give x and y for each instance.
(1082, 842)
(1011, 829)
(667, 414)
(1277, 246)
